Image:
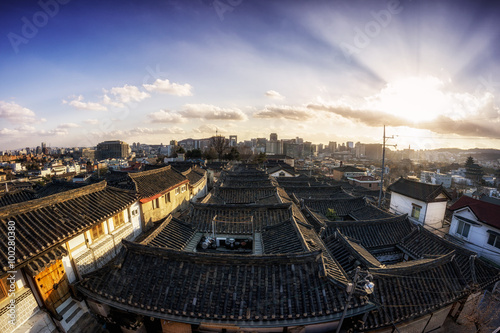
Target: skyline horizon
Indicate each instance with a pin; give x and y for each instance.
(78, 72)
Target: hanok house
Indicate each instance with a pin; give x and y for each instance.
(58, 238)
(475, 225)
(424, 203)
(368, 182)
(263, 267)
(162, 191)
(344, 172)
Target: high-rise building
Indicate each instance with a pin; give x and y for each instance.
(273, 137)
(112, 149)
(233, 140)
(373, 151)
(332, 146)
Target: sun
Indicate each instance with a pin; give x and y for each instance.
(416, 99)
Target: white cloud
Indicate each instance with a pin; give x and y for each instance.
(68, 125)
(212, 112)
(91, 121)
(79, 104)
(164, 86)
(124, 95)
(274, 94)
(285, 112)
(8, 131)
(15, 113)
(165, 116)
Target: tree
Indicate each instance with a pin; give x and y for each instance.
(261, 158)
(219, 144)
(331, 214)
(192, 154)
(473, 171)
(210, 154)
(233, 155)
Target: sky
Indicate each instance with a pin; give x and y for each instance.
(75, 73)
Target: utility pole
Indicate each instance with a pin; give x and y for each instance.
(383, 168)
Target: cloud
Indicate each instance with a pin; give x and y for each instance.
(285, 112)
(212, 112)
(15, 113)
(274, 94)
(165, 116)
(68, 125)
(468, 126)
(91, 121)
(165, 87)
(124, 95)
(209, 128)
(79, 104)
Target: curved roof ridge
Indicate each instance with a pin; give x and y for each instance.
(134, 175)
(409, 267)
(49, 200)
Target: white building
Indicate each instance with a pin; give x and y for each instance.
(424, 203)
(476, 226)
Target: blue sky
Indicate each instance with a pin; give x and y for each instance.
(79, 72)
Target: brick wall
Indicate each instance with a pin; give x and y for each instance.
(26, 306)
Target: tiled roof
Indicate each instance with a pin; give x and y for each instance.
(369, 212)
(282, 238)
(256, 291)
(375, 233)
(195, 175)
(17, 196)
(420, 191)
(486, 212)
(341, 206)
(57, 187)
(157, 181)
(237, 195)
(322, 191)
(236, 218)
(348, 168)
(171, 233)
(44, 223)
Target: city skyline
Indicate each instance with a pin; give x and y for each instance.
(76, 74)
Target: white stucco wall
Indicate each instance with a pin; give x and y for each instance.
(477, 239)
(430, 214)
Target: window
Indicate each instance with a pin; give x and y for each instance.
(4, 288)
(463, 229)
(167, 197)
(118, 220)
(177, 191)
(135, 212)
(97, 231)
(494, 240)
(415, 211)
(183, 188)
(156, 203)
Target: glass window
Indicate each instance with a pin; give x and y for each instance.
(494, 240)
(118, 219)
(463, 229)
(97, 231)
(415, 211)
(167, 197)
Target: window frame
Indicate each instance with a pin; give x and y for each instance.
(100, 231)
(496, 240)
(177, 191)
(414, 210)
(167, 197)
(461, 225)
(116, 219)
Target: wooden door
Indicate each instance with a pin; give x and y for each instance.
(53, 285)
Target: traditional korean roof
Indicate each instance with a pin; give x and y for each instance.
(238, 195)
(369, 212)
(247, 291)
(17, 196)
(348, 168)
(439, 272)
(171, 233)
(157, 181)
(420, 191)
(277, 168)
(42, 224)
(236, 218)
(342, 206)
(373, 233)
(195, 175)
(486, 212)
(322, 191)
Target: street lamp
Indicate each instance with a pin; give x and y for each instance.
(366, 284)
